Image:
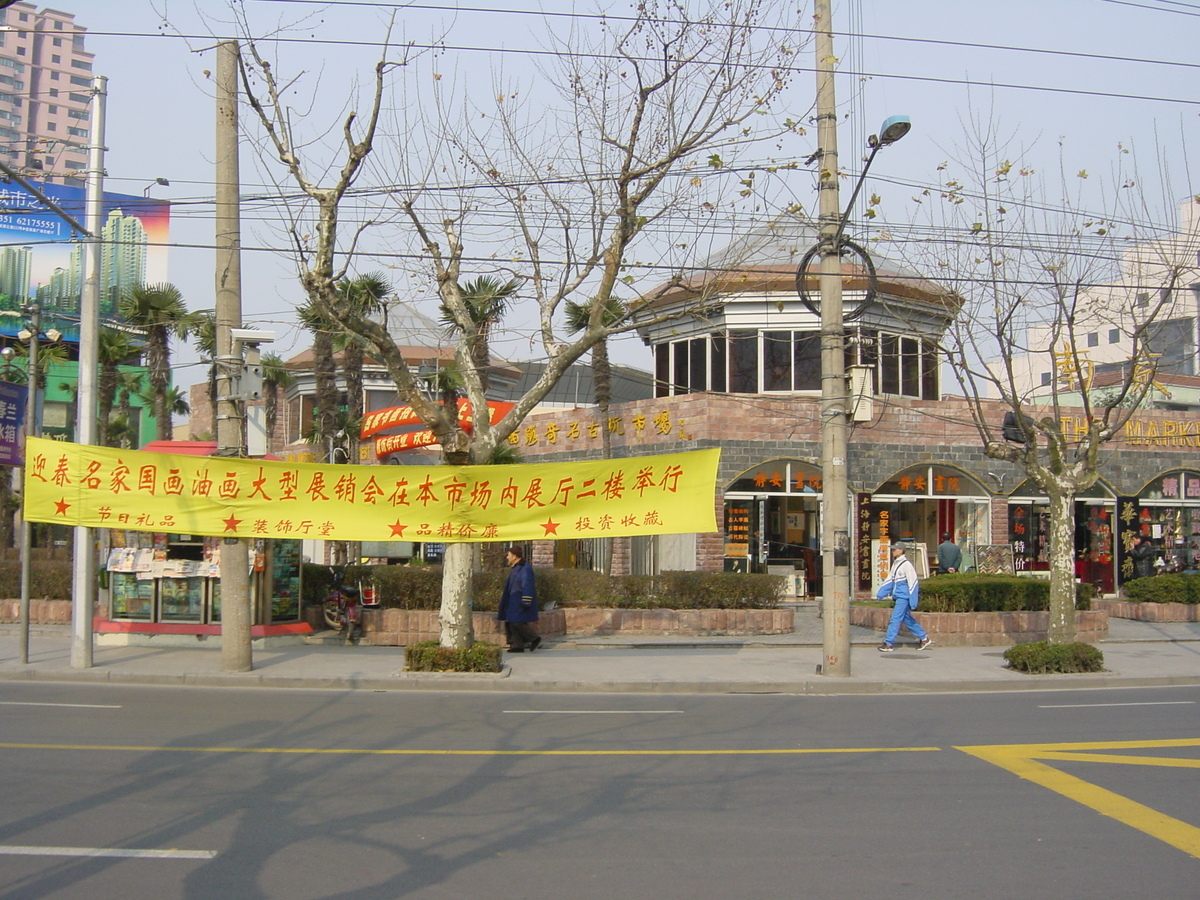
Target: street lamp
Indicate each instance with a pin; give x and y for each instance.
(157, 181)
(835, 507)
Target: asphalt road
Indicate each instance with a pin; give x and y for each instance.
(154, 792)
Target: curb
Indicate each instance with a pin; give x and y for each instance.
(502, 681)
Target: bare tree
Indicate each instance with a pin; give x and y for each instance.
(612, 153)
(1037, 275)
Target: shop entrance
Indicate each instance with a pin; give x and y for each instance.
(919, 505)
(773, 523)
(1095, 547)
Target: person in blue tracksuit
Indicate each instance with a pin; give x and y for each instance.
(904, 588)
(518, 603)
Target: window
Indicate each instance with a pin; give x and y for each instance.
(53, 92)
(80, 98)
(1114, 335)
(55, 59)
(1143, 300)
(77, 132)
(54, 76)
(1093, 339)
(662, 370)
(806, 361)
(71, 164)
(743, 362)
(1045, 378)
(80, 81)
(719, 361)
(57, 42)
(698, 364)
(51, 126)
(81, 64)
(52, 109)
(777, 360)
(79, 114)
(680, 368)
(21, 51)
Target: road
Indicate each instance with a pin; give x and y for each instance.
(155, 792)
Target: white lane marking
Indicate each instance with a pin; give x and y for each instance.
(106, 851)
(72, 705)
(594, 712)
(1146, 703)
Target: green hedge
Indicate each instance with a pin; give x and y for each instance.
(1044, 658)
(993, 593)
(49, 579)
(420, 587)
(1164, 589)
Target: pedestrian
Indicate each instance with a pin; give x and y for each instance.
(903, 586)
(1143, 557)
(949, 555)
(518, 603)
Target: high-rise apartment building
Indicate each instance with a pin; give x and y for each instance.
(45, 93)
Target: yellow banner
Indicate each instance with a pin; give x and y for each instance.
(98, 487)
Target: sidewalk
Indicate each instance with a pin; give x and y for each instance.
(1137, 654)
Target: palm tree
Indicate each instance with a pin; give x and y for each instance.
(205, 333)
(159, 310)
(177, 402)
(325, 397)
(362, 296)
(124, 431)
(579, 318)
(486, 300)
(116, 348)
(276, 377)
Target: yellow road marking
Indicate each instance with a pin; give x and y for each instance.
(1022, 760)
(393, 752)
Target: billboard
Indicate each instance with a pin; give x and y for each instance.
(41, 254)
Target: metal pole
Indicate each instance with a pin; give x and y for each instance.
(32, 429)
(83, 580)
(236, 653)
(835, 507)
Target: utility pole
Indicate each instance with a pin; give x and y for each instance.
(236, 655)
(83, 578)
(835, 506)
(33, 428)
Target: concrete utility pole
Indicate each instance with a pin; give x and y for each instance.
(83, 579)
(236, 655)
(835, 506)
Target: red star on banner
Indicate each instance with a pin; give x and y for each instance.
(61, 507)
(398, 529)
(551, 527)
(231, 524)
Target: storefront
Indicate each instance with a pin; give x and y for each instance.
(919, 505)
(175, 579)
(773, 521)
(1167, 511)
(1096, 515)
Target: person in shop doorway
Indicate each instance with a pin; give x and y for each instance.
(1143, 557)
(904, 588)
(518, 604)
(949, 555)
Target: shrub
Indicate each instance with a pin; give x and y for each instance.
(1164, 589)
(993, 593)
(429, 656)
(1045, 658)
(420, 587)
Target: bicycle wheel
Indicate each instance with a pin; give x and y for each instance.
(333, 615)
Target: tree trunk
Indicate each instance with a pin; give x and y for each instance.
(457, 630)
(1062, 567)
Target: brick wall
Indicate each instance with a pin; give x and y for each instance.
(985, 629)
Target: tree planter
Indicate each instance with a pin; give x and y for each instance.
(985, 629)
(398, 627)
(1150, 612)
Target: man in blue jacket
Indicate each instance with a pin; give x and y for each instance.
(903, 586)
(518, 604)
